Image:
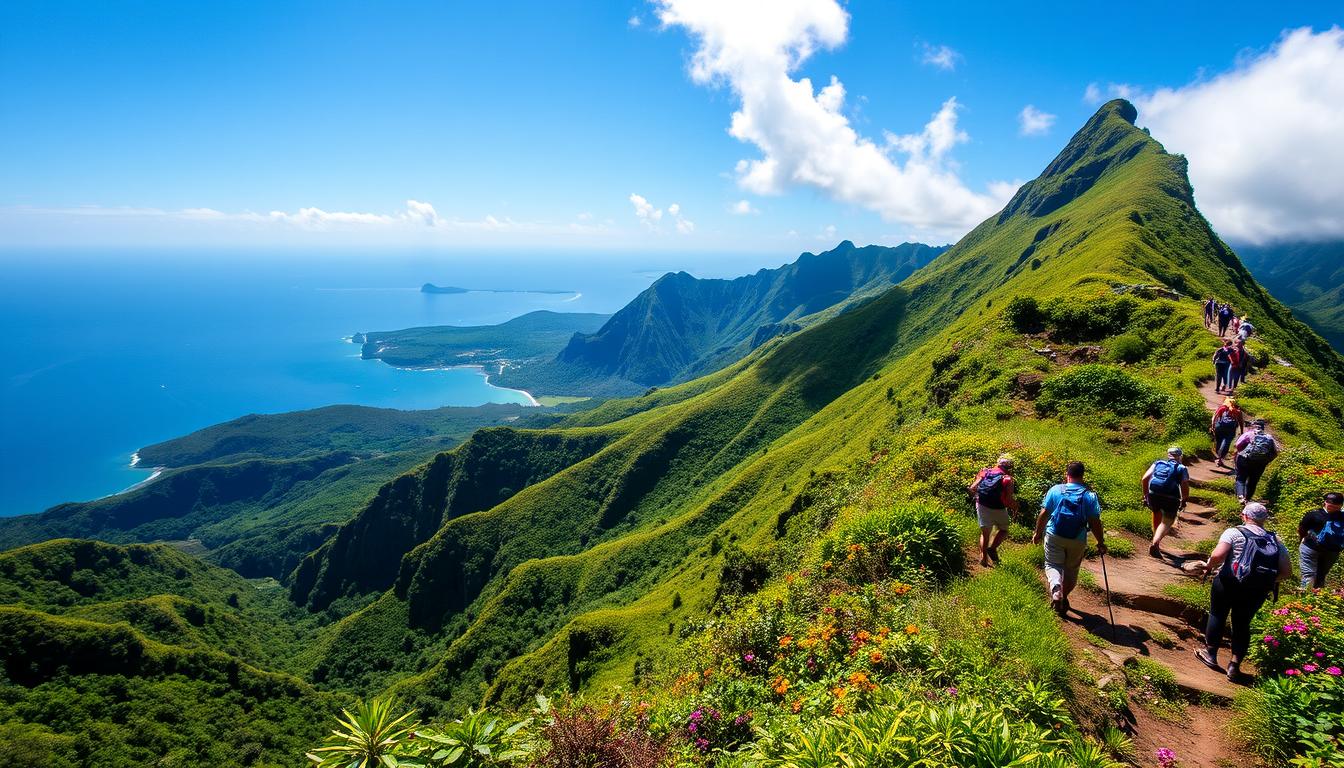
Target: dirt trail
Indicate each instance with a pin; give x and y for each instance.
(1150, 622)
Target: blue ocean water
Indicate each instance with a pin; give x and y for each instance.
(107, 352)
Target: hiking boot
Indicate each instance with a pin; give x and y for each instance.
(994, 554)
(1057, 602)
(1209, 660)
(1155, 551)
(1233, 671)
(1064, 607)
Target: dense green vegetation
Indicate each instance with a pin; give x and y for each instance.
(260, 492)
(1309, 277)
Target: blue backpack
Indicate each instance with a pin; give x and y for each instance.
(1331, 536)
(1166, 479)
(1070, 516)
(989, 491)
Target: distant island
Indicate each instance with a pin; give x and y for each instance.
(432, 288)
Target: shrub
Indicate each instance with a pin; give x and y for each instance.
(1093, 388)
(580, 737)
(1302, 636)
(1185, 415)
(1298, 719)
(906, 542)
(1023, 314)
(1127, 348)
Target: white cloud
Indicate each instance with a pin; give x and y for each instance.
(828, 234)
(1092, 94)
(940, 56)
(1265, 140)
(1034, 122)
(650, 216)
(634, 21)
(742, 208)
(804, 137)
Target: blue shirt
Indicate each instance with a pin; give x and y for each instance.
(1091, 507)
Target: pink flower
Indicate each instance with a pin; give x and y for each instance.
(1335, 671)
(1320, 654)
(1309, 667)
(1291, 672)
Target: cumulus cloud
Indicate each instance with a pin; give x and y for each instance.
(651, 216)
(742, 208)
(634, 21)
(803, 134)
(940, 56)
(1034, 122)
(1265, 140)
(1092, 94)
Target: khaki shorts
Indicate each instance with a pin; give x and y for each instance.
(1065, 554)
(989, 517)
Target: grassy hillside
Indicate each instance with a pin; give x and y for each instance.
(260, 492)
(575, 579)
(139, 655)
(1309, 277)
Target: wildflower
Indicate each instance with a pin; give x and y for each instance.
(911, 629)
(882, 632)
(1291, 672)
(860, 680)
(1309, 667)
(786, 641)
(1165, 757)
(1333, 671)
(807, 642)
(875, 657)
(749, 657)
(1320, 654)
(839, 691)
(826, 566)
(780, 686)
(702, 744)
(796, 706)
(838, 710)
(863, 636)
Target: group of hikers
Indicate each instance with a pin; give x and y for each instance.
(1231, 361)
(1227, 320)
(1246, 565)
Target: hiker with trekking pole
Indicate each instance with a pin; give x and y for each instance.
(1246, 567)
(1166, 489)
(993, 491)
(1068, 512)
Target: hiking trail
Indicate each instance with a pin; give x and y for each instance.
(1151, 622)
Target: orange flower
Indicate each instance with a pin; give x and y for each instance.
(875, 657)
(797, 706)
(826, 566)
(911, 629)
(780, 686)
(860, 680)
(838, 710)
(863, 636)
(786, 641)
(882, 632)
(839, 691)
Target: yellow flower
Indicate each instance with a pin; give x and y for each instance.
(839, 691)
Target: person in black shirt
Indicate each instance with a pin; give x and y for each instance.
(1322, 535)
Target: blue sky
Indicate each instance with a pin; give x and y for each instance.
(547, 124)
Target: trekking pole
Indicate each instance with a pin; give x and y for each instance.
(1107, 581)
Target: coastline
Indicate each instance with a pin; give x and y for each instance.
(135, 464)
(478, 367)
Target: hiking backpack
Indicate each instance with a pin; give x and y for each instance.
(1261, 448)
(989, 491)
(1258, 565)
(1331, 536)
(1166, 479)
(1226, 421)
(1069, 518)
(1223, 356)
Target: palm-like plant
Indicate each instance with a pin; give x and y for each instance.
(369, 737)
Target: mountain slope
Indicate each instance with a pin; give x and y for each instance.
(572, 580)
(682, 326)
(533, 336)
(1309, 277)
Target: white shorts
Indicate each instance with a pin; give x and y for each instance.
(989, 517)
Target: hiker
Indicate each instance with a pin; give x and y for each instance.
(1224, 317)
(1254, 452)
(1233, 369)
(1322, 534)
(1245, 566)
(1228, 421)
(1166, 489)
(993, 490)
(1069, 510)
(1236, 326)
(1244, 329)
(1244, 361)
(1222, 367)
(1210, 308)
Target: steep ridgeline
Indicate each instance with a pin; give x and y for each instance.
(261, 491)
(682, 326)
(574, 579)
(141, 655)
(1309, 277)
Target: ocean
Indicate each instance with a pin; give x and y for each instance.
(109, 351)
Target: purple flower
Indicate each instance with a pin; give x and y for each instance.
(1309, 667)
(1165, 757)
(1320, 655)
(952, 691)
(749, 657)
(1334, 671)
(702, 744)
(692, 728)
